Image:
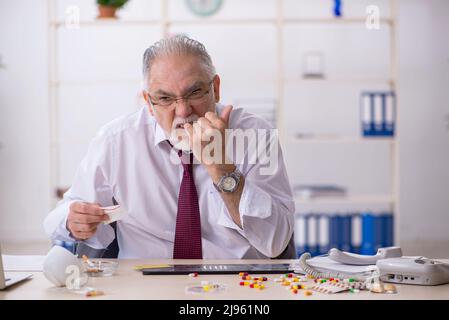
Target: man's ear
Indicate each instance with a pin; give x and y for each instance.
(146, 97)
(217, 88)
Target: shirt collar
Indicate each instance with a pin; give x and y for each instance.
(159, 134)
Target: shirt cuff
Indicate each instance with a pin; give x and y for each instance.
(254, 202)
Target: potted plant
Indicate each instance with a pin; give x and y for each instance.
(107, 8)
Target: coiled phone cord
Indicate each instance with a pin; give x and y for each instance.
(309, 270)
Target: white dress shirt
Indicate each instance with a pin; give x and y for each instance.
(129, 160)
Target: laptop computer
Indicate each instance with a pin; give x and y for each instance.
(9, 279)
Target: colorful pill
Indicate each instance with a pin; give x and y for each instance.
(94, 293)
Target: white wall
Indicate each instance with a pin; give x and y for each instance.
(24, 133)
(423, 96)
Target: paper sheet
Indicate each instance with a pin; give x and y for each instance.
(22, 262)
(323, 263)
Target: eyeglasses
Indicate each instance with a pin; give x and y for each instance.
(196, 97)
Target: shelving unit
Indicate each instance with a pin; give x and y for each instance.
(279, 21)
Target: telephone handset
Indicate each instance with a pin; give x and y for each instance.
(364, 260)
(391, 267)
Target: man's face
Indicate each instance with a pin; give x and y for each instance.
(177, 76)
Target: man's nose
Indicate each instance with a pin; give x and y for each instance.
(183, 108)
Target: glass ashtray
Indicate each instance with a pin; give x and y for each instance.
(100, 268)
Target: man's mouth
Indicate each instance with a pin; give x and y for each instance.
(181, 125)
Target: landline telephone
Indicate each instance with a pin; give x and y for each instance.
(391, 267)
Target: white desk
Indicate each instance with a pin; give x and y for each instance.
(131, 284)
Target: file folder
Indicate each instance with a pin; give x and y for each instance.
(368, 234)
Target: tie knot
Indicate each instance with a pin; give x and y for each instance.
(186, 164)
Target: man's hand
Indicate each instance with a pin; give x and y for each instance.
(83, 219)
(212, 125)
(204, 133)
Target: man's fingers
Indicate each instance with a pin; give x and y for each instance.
(215, 120)
(87, 208)
(81, 235)
(204, 123)
(225, 114)
(87, 218)
(84, 227)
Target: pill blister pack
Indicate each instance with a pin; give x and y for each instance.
(332, 287)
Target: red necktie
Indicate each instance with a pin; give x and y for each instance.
(188, 223)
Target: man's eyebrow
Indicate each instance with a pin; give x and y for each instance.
(163, 93)
(192, 87)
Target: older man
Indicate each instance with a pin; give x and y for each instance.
(179, 202)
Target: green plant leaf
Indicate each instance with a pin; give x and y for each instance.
(112, 3)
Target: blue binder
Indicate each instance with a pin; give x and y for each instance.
(378, 103)
(379, 232)
(368, 234)
(387, 229)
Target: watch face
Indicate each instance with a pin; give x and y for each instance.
(228, 183)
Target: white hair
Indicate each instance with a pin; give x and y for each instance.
(176, 45)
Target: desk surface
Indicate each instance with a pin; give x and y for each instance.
(128, 283)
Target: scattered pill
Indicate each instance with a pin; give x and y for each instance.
(94, 293)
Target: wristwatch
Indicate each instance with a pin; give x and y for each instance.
(229, 182)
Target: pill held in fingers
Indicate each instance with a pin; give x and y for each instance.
(114, 213)
(110, 208)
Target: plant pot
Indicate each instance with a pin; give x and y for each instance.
(106, 12)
